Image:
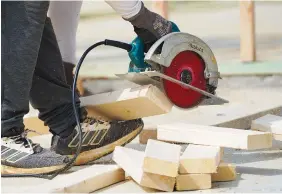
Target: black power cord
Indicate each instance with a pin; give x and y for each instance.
(113, 43)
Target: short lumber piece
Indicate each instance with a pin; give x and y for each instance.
(225, 172)
(161, 158)
(130, 103)
(199, 159)
(149, 132)
(277, 137)
(132, 160)
(187, 182)
(86, 180)
(268, 123)
(214, 136)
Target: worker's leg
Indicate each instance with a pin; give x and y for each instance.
(65, 17)
(52, 97)
(50, 93)
(22, 24)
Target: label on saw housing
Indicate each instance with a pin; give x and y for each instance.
(196, 47)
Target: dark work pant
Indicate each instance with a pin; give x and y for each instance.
(32, 70)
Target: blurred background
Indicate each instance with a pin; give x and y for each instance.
(246, 37)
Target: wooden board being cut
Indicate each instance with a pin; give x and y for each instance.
(131, 103)
(82, 181)
(214, 136)
(199, 159)
(132, 160)
(162, 158)
(268, 123)
(187, 182)
(225, 172)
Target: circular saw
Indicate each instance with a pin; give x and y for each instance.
(183, 67)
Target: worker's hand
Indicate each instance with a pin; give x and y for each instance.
(150, 26)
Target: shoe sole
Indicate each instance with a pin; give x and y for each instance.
(83, 158)
(95, 154)
(9, 170)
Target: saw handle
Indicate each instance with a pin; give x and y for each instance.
(137, 55)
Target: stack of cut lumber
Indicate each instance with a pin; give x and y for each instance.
(162, 166)
(201, 165)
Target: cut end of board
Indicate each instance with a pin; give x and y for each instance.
(225, 172)
(156, 166)
(258, 141)
(189, 182)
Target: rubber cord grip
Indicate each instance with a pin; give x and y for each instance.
(118, 44)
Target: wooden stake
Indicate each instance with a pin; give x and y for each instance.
(247, 31)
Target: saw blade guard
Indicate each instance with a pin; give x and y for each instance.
(178, 42)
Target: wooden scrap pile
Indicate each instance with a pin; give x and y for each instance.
(163, 167)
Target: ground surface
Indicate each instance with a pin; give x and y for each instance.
(258, 171)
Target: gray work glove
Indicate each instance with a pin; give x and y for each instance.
(149, 26)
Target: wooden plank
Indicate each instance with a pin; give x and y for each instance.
(277, 137)
(268, 123)
(199, 159)
(149, 132)
(214, 136)
(132, 160)
(231, 115)
(188, 182)
(225, 172)
(82, 181)
(160, 7)
(247, 31)
(131, 103)
(126, 187)
(162, 158)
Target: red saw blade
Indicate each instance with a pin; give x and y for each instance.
(187, 67)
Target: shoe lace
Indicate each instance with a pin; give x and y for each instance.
(91, 121)
(97, 123)
(25, 141)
